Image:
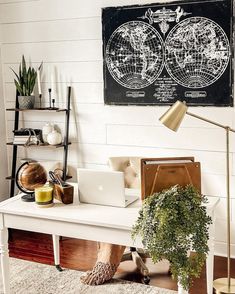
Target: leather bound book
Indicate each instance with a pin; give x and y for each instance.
(158, 174)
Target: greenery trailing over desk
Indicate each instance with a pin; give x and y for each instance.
(171, 223)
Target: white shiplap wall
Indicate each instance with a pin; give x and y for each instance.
(66, 35)
(3, 159)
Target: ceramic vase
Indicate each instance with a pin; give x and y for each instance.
(46, 129)
(54, 138)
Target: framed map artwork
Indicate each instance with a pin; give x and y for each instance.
(158, 53)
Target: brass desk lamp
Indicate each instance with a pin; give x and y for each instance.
(172, 119)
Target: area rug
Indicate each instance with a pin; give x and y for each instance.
(35, 278)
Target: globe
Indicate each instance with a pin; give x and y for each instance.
(29, 176)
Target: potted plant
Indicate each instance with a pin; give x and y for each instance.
(25, 82)
(171, 223)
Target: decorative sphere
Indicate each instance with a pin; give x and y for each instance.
(31, 175)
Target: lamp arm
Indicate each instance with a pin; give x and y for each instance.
(211, 122)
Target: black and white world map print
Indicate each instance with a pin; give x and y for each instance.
(157, 54)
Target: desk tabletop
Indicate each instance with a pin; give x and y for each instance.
(108, 216)
(98, 215)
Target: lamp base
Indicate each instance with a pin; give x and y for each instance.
(221, 286)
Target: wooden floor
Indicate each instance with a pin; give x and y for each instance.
(81, 255)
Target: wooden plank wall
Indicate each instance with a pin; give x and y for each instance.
(66, 35)
(4, 191)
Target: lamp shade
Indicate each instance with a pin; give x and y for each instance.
(173, 117)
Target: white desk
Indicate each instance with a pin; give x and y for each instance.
(82, 221)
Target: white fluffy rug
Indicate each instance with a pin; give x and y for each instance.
(35, 278)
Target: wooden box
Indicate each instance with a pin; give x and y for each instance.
(158, 174)
(64, 194)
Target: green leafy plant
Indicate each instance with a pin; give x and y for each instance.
(26, 79)
(171, 223)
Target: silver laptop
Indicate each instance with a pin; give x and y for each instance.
(103, 188)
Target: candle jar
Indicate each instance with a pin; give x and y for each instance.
(44, 196)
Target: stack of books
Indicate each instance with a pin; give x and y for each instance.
(22, 136)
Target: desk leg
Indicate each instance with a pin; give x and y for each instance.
(56, 248)
(5, 260)
(210, 260)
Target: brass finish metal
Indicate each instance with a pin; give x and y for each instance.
(210, 121)
(221, 286)
(174, 115)
(228, 209)
(172, 119)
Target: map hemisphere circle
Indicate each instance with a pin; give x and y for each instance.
(197, 52)
(135, 55)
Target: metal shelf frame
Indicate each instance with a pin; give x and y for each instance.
(64, 145)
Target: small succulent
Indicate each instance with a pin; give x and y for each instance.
(26, 79)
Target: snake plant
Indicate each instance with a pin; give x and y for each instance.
(25, 80)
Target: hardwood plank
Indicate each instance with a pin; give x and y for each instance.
(81, 255)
